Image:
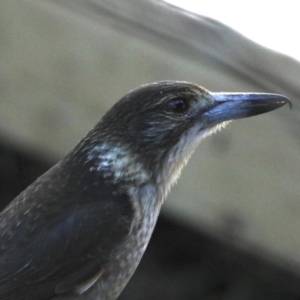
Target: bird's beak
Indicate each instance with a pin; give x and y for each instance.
(230, 106)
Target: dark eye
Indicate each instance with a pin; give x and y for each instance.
(178, 105)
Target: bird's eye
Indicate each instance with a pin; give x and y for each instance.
(178, 105)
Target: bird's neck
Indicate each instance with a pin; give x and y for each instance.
(116, 163)
(120, 165)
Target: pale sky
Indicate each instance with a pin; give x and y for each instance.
(274, 24)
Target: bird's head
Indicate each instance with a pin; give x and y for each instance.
(157, 126)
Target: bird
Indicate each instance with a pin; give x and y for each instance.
(80, 230)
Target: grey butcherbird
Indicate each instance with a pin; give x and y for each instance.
(80, 230)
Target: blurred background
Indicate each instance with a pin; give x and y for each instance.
(229, 229)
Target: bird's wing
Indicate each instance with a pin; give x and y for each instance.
(67, 253)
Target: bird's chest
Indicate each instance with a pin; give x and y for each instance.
(139, 237)
(127, 256)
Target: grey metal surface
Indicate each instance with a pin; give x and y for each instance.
(64, 63)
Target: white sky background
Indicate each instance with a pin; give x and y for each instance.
(273, 24)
